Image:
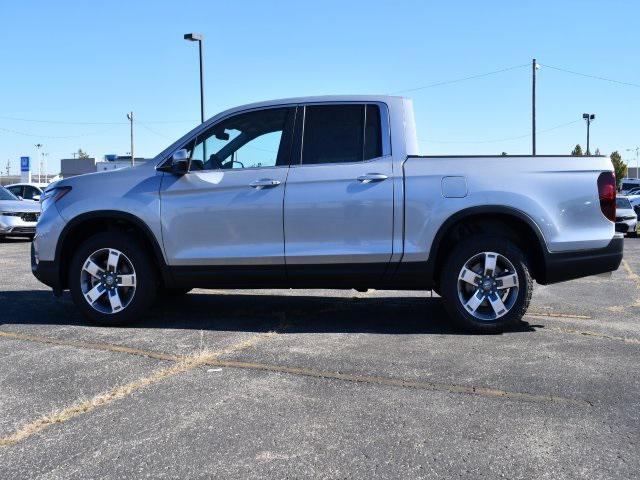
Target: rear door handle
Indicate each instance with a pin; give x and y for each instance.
(264, 183)
(372, 177)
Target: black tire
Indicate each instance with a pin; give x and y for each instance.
(463, 252)
(146, 278)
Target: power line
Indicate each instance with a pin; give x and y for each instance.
(498, 140)
(155, 132)
(53, 136)
(596, 77)
(471, 77)
(61, 122)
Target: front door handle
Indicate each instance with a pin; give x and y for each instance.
(372, 177)
(264, 183)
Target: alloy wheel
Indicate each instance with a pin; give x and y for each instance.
(488, 286)
(108, 281)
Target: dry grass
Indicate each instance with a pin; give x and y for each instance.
(184, 364)
(105, 398)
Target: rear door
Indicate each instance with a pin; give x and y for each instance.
(31, 193)
(338, 207)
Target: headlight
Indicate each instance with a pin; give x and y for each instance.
(52, 195)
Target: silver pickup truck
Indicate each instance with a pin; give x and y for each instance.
(327, 192)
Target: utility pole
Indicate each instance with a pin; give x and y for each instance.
(130, 118)
(637, 149)
(534, 67)
(589, 117)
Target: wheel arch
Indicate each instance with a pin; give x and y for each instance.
(90, 223)
(511, 222)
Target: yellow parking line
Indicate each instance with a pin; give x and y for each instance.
(558, 315)
(586, 333)
(183, 364)
(92, 346)
(398, 382)
(630, 273)
(186, 363)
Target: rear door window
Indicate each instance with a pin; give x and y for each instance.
(30, 192)
(341, 134)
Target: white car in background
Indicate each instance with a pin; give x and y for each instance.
(626, 218)
(629, 184)
(27, 191)
(18, 218)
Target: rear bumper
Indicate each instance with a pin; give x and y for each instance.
(46, 272)
(570, 265)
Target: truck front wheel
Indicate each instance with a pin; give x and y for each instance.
(486, 285)
(111, 279)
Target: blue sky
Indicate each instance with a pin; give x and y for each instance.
(91, 62)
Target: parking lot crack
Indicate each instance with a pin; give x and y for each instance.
(398, 382)
(109, 347)
(181, 364)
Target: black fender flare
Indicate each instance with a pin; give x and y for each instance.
(471, 212)
(113, 215)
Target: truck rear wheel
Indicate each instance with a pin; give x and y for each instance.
(111, 278)
(486, 285)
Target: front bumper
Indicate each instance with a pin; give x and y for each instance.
(15, 226)
(626, 226)
(47, 272)
(570, 265)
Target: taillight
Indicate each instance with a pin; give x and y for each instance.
(607, 193)
(52, 195)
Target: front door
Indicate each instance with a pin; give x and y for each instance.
(227, 211)
(338, 209)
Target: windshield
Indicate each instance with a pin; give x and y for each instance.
(622, 202)
(629, 186)
(6, 194)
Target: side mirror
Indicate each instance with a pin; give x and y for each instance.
(36, 198)
(180, 162)
(19, 197)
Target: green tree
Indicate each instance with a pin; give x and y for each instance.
(82, 154)
(619, 167)
(577, 152)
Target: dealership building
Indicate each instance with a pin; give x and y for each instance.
(71, 167)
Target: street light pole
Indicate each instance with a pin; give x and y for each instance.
(589, 117)
(130, 118)
(534, 67)
(198, 37)
(38, 147)
(43, 167)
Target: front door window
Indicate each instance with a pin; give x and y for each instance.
(249, 140)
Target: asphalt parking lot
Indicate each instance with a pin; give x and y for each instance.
(332, 384)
